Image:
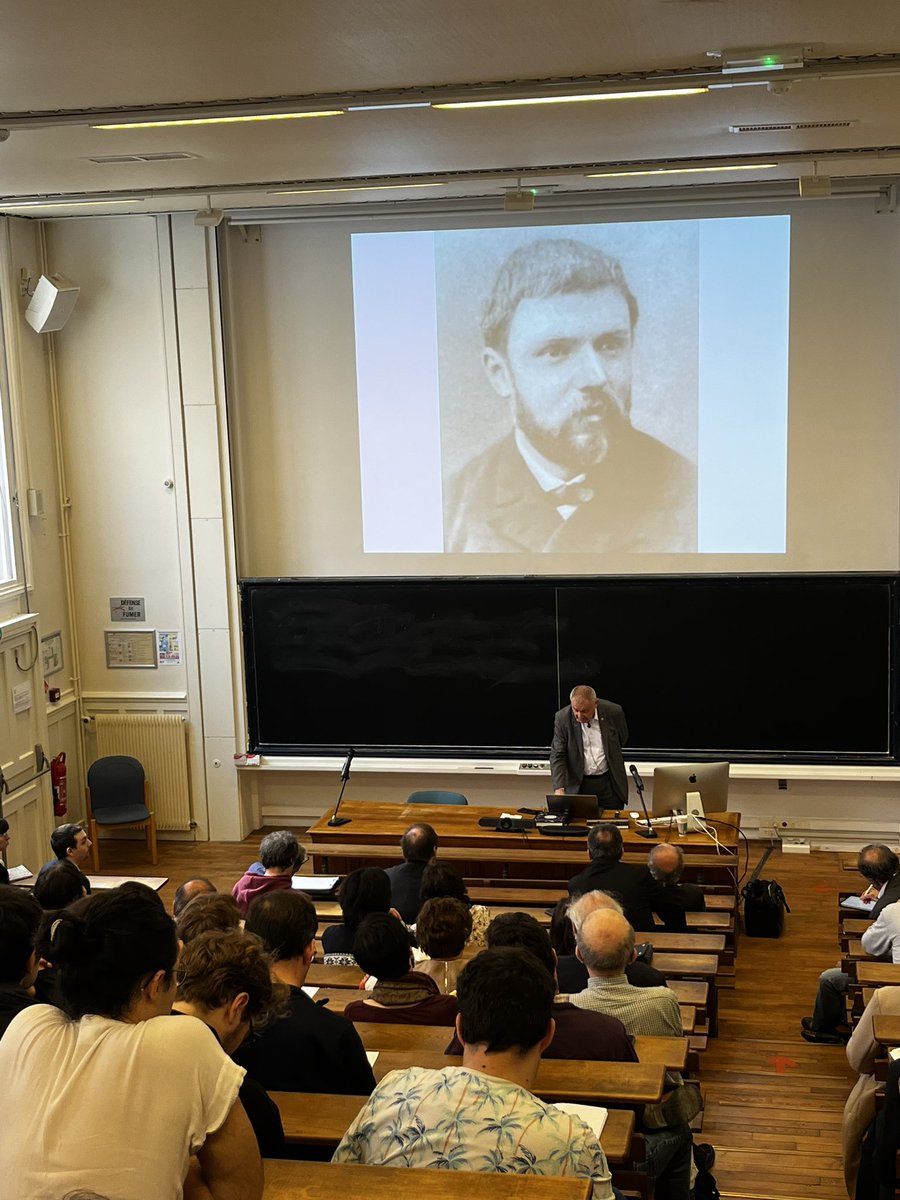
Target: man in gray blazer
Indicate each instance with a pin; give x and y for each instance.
(586, 752)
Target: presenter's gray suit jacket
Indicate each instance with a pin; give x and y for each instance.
(567, 749)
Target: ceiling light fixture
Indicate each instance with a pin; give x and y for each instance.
(295, 116)
(679, 171)
(65, 203)
(359, 187)
(656, 94)
(385, 107)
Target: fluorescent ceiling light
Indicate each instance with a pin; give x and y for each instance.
(359, 187)
(66, 203)
(647, 95)
(296, 116)
(679, 170)
(384, 107)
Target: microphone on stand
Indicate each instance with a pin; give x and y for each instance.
(649, 831)
(345, 775)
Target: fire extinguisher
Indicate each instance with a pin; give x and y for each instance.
(58, 779)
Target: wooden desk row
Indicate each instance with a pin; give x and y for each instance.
(286, 1180)
(374, 830)
(692, 1014)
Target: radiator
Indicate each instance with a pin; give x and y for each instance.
(158, 741)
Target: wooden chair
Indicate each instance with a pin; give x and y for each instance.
(117, 793)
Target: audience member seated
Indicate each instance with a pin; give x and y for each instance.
(59, 886)
(443, 879)
(280, 854)
(605, 943)
(482, 1116)
(224, 980)
(383, 948)
(862, 1053)
(197, 885)
(879, 865)
(442, 931)
(638, 891)
(70, 843)
(208, 912)
(418, 846)
(4, 846)
(364, 891)
(54, 889)
(579, 1034)
(570, 970)
(666, 864)
(308, 1049)
(113, 1091)
(20, 917)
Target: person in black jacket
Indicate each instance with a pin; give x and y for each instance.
(419, 846)
(223, 979)
(20, 916)
(638, 891)
(4, 846)
(309, 1049)
(665, 863)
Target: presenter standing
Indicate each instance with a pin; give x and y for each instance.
(586, 752)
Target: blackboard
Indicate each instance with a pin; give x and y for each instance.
(776, 668)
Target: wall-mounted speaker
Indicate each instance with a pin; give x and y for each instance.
(52, 303)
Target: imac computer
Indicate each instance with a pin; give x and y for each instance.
(672, 784)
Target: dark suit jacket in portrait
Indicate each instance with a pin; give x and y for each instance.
(406, 879)
(643, 498)
(633, 885)
(567, 749)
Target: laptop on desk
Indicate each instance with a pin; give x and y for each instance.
(573, 808)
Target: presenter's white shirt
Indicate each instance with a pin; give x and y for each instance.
(108, 1106)
(594, 753)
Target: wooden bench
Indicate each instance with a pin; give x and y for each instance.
(285, 1180)
(617, 1085)
(337, 1000)
(670, 1052)
(314, 1119)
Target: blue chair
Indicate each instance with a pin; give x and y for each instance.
(116, 794)
(436, 797)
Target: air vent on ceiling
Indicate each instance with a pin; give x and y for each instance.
(162, 156)
(791, 126)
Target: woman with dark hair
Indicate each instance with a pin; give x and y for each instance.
(443, 928)
(364, 891)
(54, 889)
(4, 846)
(443, 879)
(114, 1092)
(224, 979)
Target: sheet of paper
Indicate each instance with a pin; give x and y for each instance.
(314, 883)
(17, 873)
(310, 991)
(592, 1115)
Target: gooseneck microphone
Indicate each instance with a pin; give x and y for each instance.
(648, 831)
(345, 775)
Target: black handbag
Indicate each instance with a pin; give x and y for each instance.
(764, 908)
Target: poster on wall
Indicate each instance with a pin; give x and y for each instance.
(137, 648)
(168, 647)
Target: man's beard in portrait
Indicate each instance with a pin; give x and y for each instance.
(583, 439)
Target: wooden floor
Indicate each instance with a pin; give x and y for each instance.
(773, 1102)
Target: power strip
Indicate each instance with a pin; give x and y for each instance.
(795, 847)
